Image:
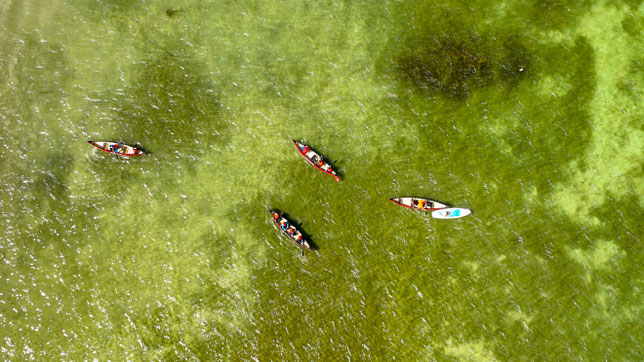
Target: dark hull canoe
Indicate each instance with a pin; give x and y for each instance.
(290, 231)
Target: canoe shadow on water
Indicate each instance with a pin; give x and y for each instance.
(140, 147)
(307, 237)
(293, 222)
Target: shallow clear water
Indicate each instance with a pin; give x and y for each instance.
(528, 113)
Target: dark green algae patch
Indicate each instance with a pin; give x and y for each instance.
(453, 67)
(446, 52)
(444, 65)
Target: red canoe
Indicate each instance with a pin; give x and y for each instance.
(120, 149)
(315, 159)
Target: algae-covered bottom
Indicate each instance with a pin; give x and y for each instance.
(527, 113)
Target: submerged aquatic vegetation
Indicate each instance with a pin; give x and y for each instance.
(445, 65)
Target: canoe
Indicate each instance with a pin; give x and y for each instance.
(118, 148)
(450, 213)
(418, 203)
(315, 159)
(290, 230)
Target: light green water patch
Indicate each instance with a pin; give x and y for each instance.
(553, 86)
(33, 97)
(198, 319)
(610, 315)
(518, 316)
(602, 257)
(166, 276)
(606, 257)
(477, 350)
(616, 144)
(472, 266)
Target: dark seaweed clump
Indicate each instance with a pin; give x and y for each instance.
(172, 12)
(447, 66)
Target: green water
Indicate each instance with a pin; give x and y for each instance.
(529, 113)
